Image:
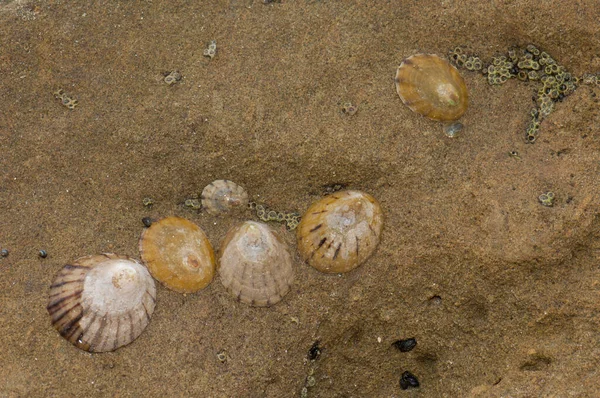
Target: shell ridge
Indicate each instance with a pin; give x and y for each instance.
(82, 290)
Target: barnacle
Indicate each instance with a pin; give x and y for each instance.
(211, 50)
(528, 64)
(172, 78)
(546, 106)
(547, 199)
(266, 214)
(65, 99)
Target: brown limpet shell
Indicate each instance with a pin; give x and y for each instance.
(339, 232)
(178, 254)
(102, 302)
(223, 196)
(432, 87)
(255, 264)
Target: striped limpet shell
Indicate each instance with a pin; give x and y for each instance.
(255, 264)
(340, 231)
(223, 196)
(432, 87)
(102, 302)
(178, 254)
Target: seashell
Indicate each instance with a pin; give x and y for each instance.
(340, 231)
(429, 85)
(223, 196)
(178, 254)
(102, 302)
(255, 264)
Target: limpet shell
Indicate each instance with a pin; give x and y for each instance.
(178, 254)
(223, 196)
(340, 231)
(102, 302)
(255, 264)
(432, 87)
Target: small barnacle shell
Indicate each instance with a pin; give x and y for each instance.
(102, 302)
(222, 196)
(178, 254)
(255, 264)
(432, 87)
(340, 231)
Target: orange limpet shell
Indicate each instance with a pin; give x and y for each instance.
(178, 254)
(430, 86)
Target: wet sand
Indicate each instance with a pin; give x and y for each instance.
(501, 293)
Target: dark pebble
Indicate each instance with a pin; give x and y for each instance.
(408, 380)
(147, 221)
(43, 253)
(4, 252)
(405, 345)
(315, 351)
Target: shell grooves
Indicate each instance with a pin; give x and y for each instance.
(337, 251)
(52, 306)
(89, 309)
(316, 228)
(65, 312)
(67, 327)
(321, 243)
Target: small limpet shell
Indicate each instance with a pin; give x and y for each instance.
(432, 87)
(102, 302)
(178, 254)
(255, 264)
(222, 196)
(340, 231)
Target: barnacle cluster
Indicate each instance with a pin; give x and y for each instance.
(525, 64)
(65, 99)
(349, 109)
(193, 203)
(547, 199)
(309, 382)
(591, 79)
(462, 59)
(211, 51)
(173, 77)
(266, 214)
(148, 202)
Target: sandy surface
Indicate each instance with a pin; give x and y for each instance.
(501, 293)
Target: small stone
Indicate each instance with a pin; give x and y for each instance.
(405, 345)
(43, 253)
(408, 380)
(4, 252)
(147, 221)
(315, 351)
(452, 129)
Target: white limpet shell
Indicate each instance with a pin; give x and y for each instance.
(340, 231)
(255, 264)
(223, 196)
(102, 302)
